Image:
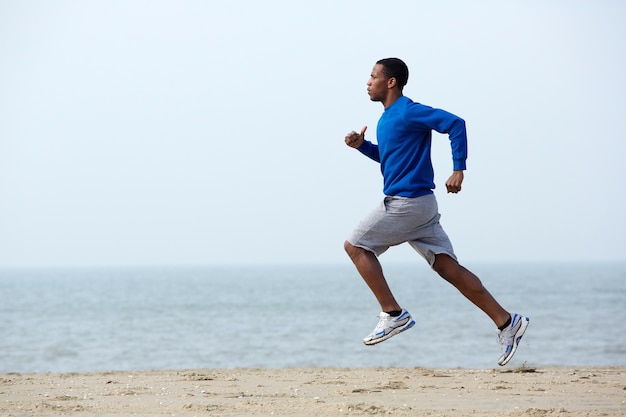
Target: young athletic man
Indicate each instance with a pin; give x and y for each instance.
(409, 211)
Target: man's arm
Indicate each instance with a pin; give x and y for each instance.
(357, 141)
(458, 142)
(447, 123)
(454, 126)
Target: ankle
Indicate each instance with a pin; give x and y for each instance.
(506, 323)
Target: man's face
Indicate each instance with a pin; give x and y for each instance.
(377, 85)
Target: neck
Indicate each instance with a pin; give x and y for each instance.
(391, 98)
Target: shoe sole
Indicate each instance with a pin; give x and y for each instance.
(518, 336)
(394, 332)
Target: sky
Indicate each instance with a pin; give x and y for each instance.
(192, 132)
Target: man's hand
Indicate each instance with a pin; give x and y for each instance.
(454, 182)
(354, 140)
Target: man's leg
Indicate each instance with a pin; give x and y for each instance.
(511, 328)
(471, 287)
(393, 319)
(372, 272)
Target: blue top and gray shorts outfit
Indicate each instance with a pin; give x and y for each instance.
(409, 211)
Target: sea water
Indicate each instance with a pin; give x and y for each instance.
(272, 316)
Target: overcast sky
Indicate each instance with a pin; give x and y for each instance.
(195, 132)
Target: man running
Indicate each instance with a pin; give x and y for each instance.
(409, 211)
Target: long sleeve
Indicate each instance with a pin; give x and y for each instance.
(447, 123)
(370, 150)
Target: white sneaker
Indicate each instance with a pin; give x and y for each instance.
(509, 338)
(389, 326)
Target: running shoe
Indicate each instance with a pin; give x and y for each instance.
(389, 326)
(509, 338)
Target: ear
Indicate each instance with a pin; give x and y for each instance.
(392, 82)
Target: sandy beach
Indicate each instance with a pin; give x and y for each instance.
(592, 391)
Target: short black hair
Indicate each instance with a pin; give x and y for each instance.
(395, 68)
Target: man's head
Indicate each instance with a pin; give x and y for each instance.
(395, 68)
(388, 78)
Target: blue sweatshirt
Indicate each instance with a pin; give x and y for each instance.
(404, 135)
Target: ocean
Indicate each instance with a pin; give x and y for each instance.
(277, 316)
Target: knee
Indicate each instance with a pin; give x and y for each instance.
(445, 266)
(351, 250)
(347, 246)
(450, 270)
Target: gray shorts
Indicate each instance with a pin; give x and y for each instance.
(400, 219)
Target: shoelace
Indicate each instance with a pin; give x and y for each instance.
(503, 340)
(381, 322)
